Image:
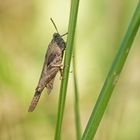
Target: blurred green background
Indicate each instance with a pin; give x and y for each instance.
(26, 30)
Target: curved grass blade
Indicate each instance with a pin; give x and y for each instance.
(112, 77)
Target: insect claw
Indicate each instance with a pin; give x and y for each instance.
(61, 72)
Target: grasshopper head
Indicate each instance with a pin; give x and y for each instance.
(59, 40)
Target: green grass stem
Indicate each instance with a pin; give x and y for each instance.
(76, 102)
(112, 77)
(67, 60)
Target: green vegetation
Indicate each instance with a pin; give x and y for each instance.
(112, 77)
(67, 60)
(26, 31)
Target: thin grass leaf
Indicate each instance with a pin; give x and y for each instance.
(112, 77)
(68, 54)
(76, 102)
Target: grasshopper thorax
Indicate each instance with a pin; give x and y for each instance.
(59, 40)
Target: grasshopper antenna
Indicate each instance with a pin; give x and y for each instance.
(54, 25)
(64, 34)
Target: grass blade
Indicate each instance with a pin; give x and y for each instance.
(76, 105)
(112, 77)
(68, 54)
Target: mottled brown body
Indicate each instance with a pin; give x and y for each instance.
(52, 64)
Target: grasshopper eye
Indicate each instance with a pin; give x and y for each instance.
(56, 35)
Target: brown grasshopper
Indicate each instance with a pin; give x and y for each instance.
(52, 64)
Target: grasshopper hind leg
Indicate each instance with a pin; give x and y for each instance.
(49, 86)
(34, 101)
